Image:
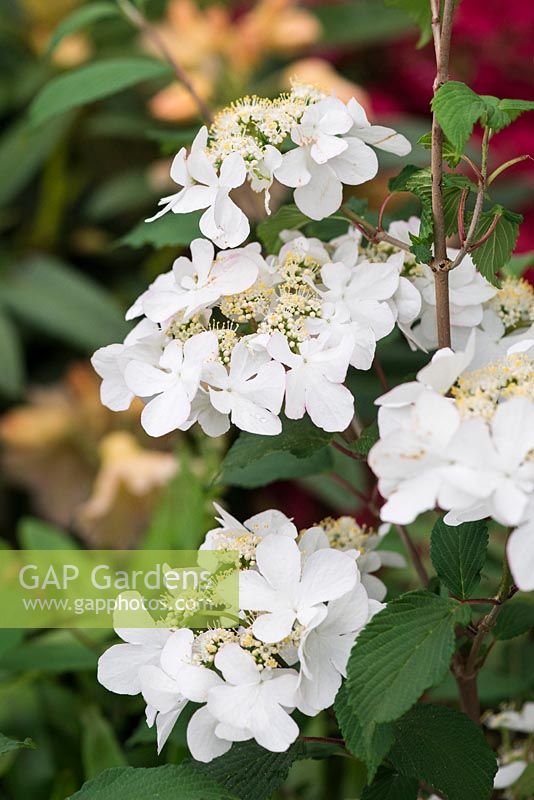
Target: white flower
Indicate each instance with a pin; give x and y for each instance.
(314, 381)
(173, 385)
(377, 135)
(492, 473)
(254, 701)
(521, 721)
(120, 665)
(468, 290)
(508, 774)
(168, 686)
(520, 551)
(324, 160)
(325, 648)
(223, 221)
(143, 343)
(439, 375)
(289, 590)
(411, 460)
(201, 281)
(251, 390)
(364, 290)
(212, 422)
(346, 535)
(244, 537)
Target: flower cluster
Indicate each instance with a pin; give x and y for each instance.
(470, 453)
(226, 337)
(302, 604)
(245, 142)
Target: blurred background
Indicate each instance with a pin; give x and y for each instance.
(75, 252)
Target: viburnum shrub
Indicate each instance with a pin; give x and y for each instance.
(240, 330)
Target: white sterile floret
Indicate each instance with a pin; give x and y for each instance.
(245, 537)
(173, 384)
(325, 648)
(325, 159)
(205, 187)
(251, 391)
(314, 382)
(345, 534)
(144, 343)
(201, 281)
(252, 702)
(289, 589)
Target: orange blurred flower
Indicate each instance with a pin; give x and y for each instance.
(85, 467)
(125, 490)
(219, 52)
(321, 73)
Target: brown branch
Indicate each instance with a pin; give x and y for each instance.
(467, 240)
(487, 235)
(152, 34)
(385, 201)
(466, 670)
(345, 450)
(370, 232)
(381, 375)
(442, 31)
(349, 487)
(414, 554)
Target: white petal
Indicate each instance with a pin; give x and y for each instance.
(322, 195)
(327, 574)
(293, 171)
(273, 627)
(237, 666)
(166, 412)
(203, 744)
(520, 550)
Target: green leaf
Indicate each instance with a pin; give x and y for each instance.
(404, 650)
(11, 358)
(497, 251)
(458, 554)
(57, 299)
(368, 437)
(51, 652)
(250, 772)
(389, 785)
(371, 752)
(524, 786)
(170, 230)
(446, 750)
(515, 617)
(518, 265)
(420, 13)
(81, 18)
(28, 149)
(8, 745)
(365, 22)
(93, 82)
(419, 181)
(100, 748)
(34, 534)
(457, 108)
(287, 217)
(301, 449)
(183, 782)
(183, 514)
(449, 152)
(500, 113)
